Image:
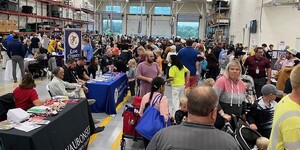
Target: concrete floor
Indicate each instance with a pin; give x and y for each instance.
(110, 138)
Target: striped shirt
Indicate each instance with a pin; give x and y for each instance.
(261, 114)
(231, 95)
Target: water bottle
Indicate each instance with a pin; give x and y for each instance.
(109, 69)
(91, 76)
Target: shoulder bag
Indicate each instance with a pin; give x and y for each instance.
(151, 121)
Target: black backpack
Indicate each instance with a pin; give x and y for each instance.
(6, 102)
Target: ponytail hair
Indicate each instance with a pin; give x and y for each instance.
(157, 82)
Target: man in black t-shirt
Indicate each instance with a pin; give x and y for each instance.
(107, 60)
(34, 43)
(70, 74)
(267, 52)
(81, 72)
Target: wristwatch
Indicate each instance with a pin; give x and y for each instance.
(222, 114)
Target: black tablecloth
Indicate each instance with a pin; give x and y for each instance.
(69, 129)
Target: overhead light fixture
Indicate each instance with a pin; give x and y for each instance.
(209, 0)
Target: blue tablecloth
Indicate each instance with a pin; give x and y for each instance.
(107, 94)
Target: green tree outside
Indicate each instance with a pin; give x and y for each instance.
(184, 29)
(188, 29)
(116, 27)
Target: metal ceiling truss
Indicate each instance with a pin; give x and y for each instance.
(293, 3)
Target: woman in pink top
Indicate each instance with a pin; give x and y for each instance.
(231, 92)
(157, 88)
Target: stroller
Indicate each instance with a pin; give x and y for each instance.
(245, 136)
(250, 91)
(130, 120)
(251, 87)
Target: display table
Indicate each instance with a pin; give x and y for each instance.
(69, 129)
(107, 94)
(8, 71)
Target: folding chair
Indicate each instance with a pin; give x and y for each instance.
(47, 87)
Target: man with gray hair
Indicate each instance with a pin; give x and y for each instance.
(58, 87)
(198, 131)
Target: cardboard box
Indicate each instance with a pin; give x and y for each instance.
(12, 25)
(8, 25)
(3, 25)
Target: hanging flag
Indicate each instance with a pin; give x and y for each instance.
(72, 40)
(140, 27)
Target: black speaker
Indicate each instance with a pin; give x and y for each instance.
(253, 26)
(27, 9)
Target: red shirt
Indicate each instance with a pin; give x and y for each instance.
(252, 63)
(24, 97)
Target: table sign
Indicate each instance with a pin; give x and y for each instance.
(72, 40)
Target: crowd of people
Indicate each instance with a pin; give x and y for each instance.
(198, 111)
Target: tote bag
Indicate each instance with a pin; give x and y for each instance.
(151, 121)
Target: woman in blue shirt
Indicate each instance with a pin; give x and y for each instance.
(87, 50)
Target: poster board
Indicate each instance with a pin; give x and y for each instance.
(72, 40)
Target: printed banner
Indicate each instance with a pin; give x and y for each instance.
(72, 40)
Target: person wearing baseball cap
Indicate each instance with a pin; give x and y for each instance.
(260, 116)
(290, 58)
(270, 89)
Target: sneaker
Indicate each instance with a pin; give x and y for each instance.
(99, 129)
(15, 81)
(91, 101)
